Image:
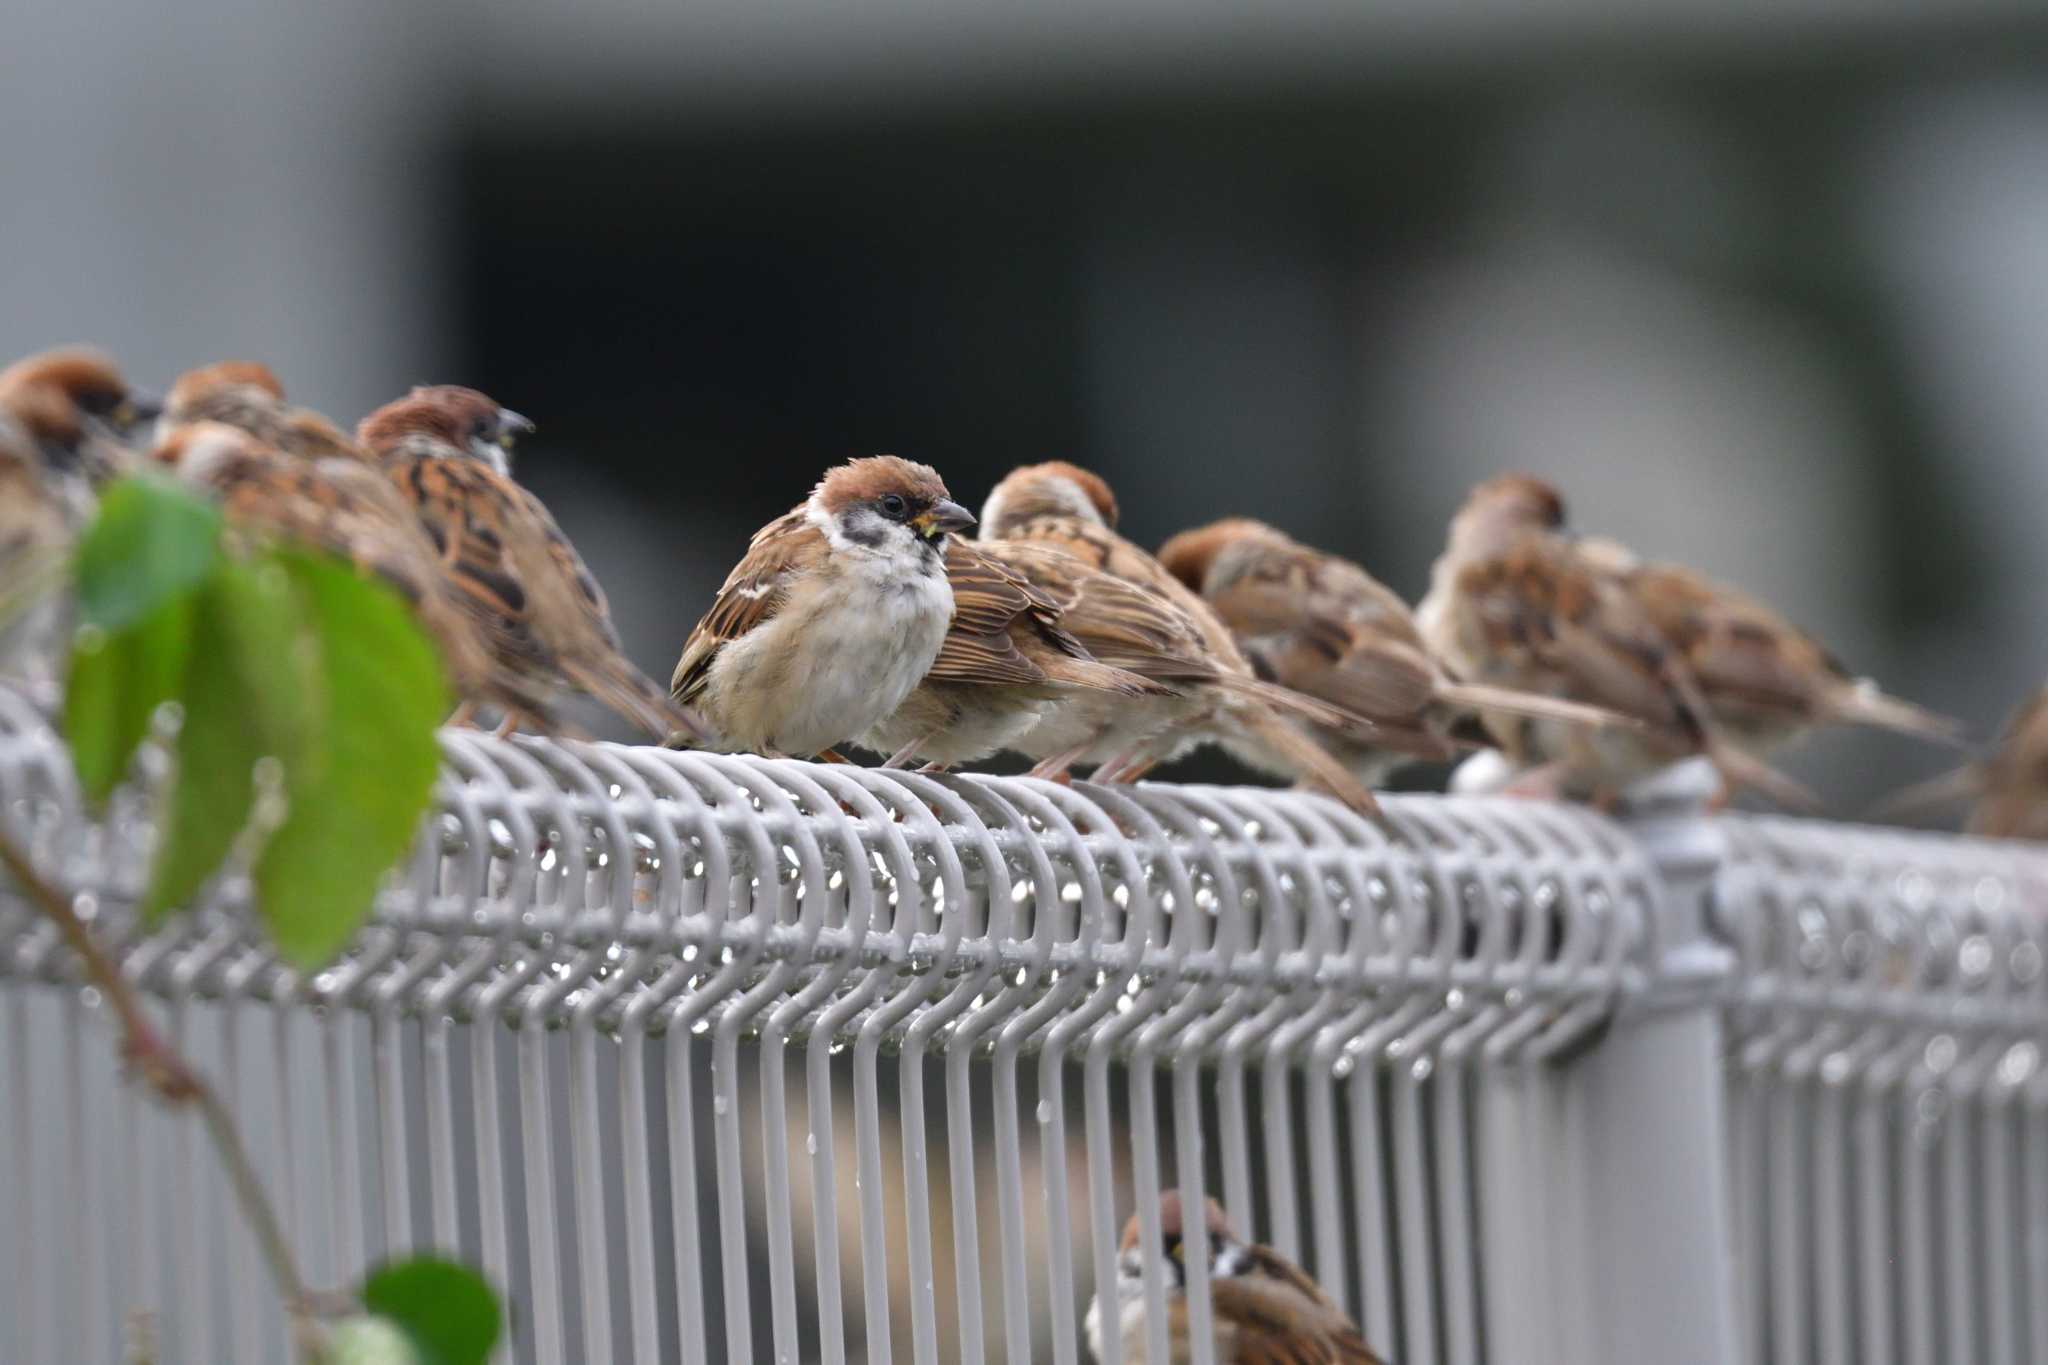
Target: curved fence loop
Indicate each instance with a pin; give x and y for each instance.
(1446, 1066)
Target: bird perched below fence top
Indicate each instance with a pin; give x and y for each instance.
(1266, 1309)
(838, 609)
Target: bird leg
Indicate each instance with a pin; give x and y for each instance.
(1544, 782)
(901, 758)
(832, 756)
(464, 716)
(1053, 767)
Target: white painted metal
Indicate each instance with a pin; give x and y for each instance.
(617, 1034)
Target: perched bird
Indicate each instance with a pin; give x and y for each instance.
(1061, 507)
(1323, 626)
(247, 396)
(2012, 801)
(348, 509)
(1513, 603)
(1006, 661)
(1267, 1311)
(837, 611)
(542, 614)
(35, 536)
(81, 413)
(2007, 788)
(1765, 680)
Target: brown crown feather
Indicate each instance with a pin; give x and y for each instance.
(226, 374)
(79, 373)
(864, 480)
(1173, 1221)
(1087, 480)
(1190, 555)
(445, 412)
(1522, 492)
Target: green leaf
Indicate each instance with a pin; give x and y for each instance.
(357, 793)
(449, 1312)
(114, 686)
(248, 695)
(151, 542)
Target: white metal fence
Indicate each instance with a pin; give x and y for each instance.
(722, 1059)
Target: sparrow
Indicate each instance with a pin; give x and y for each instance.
(248, 396)
(1323, 626)
(1513, 602)
(1266, 1309)
(35, 536)
(81, 413)
(837, 611)
(1006, 661)
(2012, 802)
(2007, 788)
(1765, 680)
(1159, 629)
(346, 508)
(543, 616)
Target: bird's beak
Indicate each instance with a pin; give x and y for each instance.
(137, 410)
(942, 516)
(511, 426)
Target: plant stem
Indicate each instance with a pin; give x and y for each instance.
(166, 1071)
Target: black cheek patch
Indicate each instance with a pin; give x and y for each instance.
(862, 531)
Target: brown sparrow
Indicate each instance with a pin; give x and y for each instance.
(35, 536)
(2012, 802)
(1513, 603)
(1323, 626)
(348, 509)
(2007, 788)
(1765, 680)
(247, 396)
(542, 614)
(82, 415)
(1007, 659)
(837, 611)
(1267, 1310)
(1156, 627)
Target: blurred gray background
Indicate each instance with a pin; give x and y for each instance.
(1764, 287)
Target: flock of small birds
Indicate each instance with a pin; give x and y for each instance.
(867, 617)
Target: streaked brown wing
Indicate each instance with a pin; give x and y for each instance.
(1293, 1314)
(756, 588)
(1741, 652)
(991, 605)
(465, 512)
(1567, 629)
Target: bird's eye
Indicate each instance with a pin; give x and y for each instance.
(894, 506)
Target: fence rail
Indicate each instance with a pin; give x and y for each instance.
(671, 1045)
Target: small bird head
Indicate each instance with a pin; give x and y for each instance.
(1053, 489)
(449, 419)
(1226, 1250)
(194, 450)
(1522, 499)
(883, 502)
(1192, 556)
(77, 406)
(199, 391)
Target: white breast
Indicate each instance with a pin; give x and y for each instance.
(842, 654)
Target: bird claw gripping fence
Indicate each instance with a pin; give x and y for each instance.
(707, 1058)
